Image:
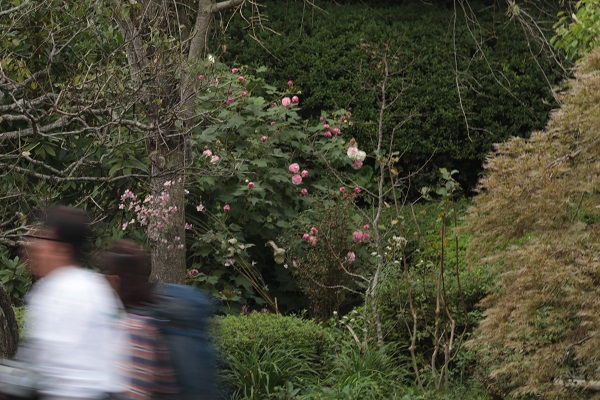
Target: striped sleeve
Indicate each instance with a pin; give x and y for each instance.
(148, 367)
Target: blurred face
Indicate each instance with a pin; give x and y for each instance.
(45, 253)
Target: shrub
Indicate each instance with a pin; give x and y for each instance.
(263, 351)
(541, 321)
(322, 269)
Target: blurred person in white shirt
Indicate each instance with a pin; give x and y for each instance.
(71, 335)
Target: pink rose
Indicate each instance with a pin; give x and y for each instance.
(286, 101)
(304, 192)
(366, 237)
(326, 127)
(290, 82)
(294, 168)
(296, 179)
(356, 190)
(336, 131)
(244, 93)
(327, 134)
(214, 159)
(201, 77)
(235, 70)
(314, 231)
(240, 78)
(207, 153)
(322, 119)
(226, 208)
(306, 237)
(263, 139)
(366, 227)
(250, 185)
(312, 240)
(357, 236)
(230, 100)
(342, 189)
(189, 274)
(272, 123)
(194, 272)
(304, 173)
(295, 99)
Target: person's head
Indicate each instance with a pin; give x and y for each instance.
(62, 239)
(126, 266)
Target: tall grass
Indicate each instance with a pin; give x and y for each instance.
(257, 372)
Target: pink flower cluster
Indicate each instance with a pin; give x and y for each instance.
(213, 158)
(311, 237)
(297, 177)
(360, 236)
(354, 194)
(357, 156)
(192, 273)
(328, 130)
(237, 71)
(154, 212)
(286, 101)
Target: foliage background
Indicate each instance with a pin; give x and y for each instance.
(506, 78)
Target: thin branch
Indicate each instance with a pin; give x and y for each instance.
(14, 9)
(225, 5)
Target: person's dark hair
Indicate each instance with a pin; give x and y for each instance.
(71, 226)
(127, 260)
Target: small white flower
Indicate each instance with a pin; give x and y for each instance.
(211, 59)
(361, 156)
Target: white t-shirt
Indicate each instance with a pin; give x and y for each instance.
(72, 338)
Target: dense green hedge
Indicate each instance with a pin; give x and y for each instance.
(504, 78)
(239, 332)
(262, 352)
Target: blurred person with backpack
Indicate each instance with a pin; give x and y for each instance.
(146, 365)
(182, 316)
(71, 341)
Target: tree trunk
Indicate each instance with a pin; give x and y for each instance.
(9, 329)
(168, 245)
(174, 86)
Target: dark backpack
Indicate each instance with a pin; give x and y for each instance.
(182, 314)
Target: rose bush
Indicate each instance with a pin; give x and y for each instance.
(255, 165)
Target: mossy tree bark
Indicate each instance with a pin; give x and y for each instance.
(9, 330)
